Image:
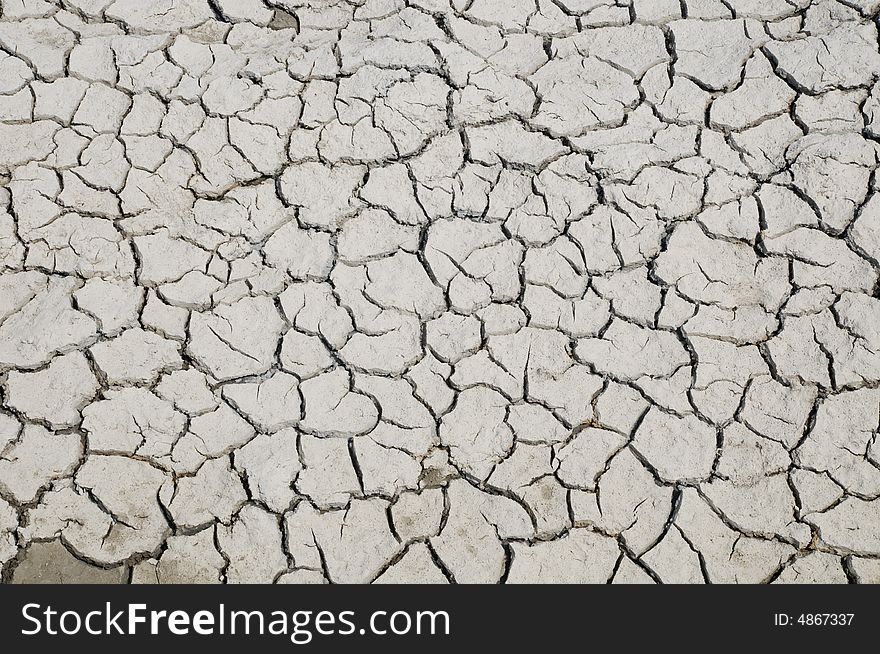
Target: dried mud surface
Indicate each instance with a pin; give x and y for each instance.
(474, 291)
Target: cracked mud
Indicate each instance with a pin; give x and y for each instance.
(310, 291)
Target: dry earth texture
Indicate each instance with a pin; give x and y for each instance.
(310, 291)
